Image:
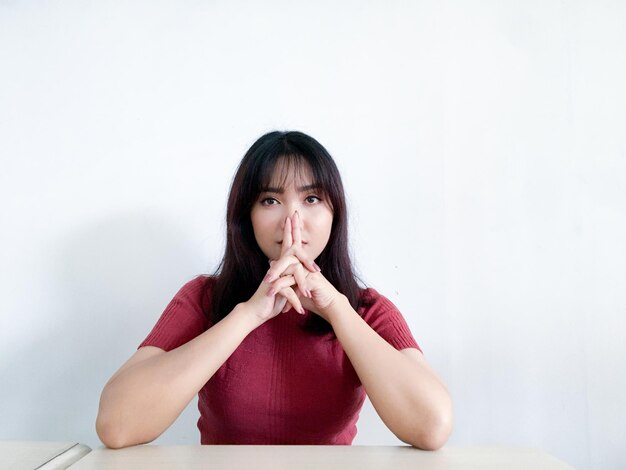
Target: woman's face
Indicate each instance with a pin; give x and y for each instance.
(272, 207)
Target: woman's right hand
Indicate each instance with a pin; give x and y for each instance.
(270, 299)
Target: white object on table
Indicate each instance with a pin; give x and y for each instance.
(30, 455)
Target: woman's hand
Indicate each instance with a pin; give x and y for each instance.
(270, 299)
(324, 296)
(315, 292)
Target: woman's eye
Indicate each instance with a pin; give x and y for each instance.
(312, 199)
(269, 201)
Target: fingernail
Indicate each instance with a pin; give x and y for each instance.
(268, 278)
(301, 311)
(317, 267)
(309, 294)
(271, 292)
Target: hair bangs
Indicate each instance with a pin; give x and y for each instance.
(280, 171)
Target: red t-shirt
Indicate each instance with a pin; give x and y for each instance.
(282, 385)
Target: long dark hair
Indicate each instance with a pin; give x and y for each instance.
(244, 264)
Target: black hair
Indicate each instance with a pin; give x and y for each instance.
(244, 264)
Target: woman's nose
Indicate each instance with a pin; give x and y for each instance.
(297, 218)
(291, 214)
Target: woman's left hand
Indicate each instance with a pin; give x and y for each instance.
(323, 295)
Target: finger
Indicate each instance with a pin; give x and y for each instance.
(279, 267)
(300, 274)
(297, 247)
(293, 299)
(281, 304)
(280, 284)
(287, 236)
(303, 258)
(296, 229)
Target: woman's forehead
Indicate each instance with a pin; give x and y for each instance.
(288, 171)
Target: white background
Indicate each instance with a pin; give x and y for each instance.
(483, 150)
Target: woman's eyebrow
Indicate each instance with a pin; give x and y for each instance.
(270, 189)
(301, 189)
(308, 187)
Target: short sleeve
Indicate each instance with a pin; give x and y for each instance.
(184, 318)
(385, 318)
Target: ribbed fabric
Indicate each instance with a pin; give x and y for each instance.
(282, 385)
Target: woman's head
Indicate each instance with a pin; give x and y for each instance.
(291, 190)
(283, 172)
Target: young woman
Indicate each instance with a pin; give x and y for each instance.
(281, 344)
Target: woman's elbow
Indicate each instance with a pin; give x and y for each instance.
(432, 440)
(108, 434)
(112, 434)
(434, 435)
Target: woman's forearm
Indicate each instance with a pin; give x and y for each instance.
(142, 400)
(408, 396)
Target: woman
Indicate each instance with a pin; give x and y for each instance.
(281, 355)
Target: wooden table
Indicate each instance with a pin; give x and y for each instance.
(28, 455)
(316, 457)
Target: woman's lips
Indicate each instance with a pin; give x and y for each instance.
(303, 242)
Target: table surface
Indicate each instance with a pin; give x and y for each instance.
(27, 455)
(327, 457)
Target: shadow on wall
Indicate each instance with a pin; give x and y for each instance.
(108, 284)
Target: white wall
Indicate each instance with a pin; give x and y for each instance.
(483, 150)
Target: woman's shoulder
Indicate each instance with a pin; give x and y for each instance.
(202, 280)
(184, 317)
(385, 318)
(199, 283)
(373, 302)
(199, 289)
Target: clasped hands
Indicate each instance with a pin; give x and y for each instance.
(293, 280)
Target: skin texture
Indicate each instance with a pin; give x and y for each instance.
(144, 397)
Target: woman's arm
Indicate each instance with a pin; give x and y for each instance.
(406, 393)
(147, 394)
